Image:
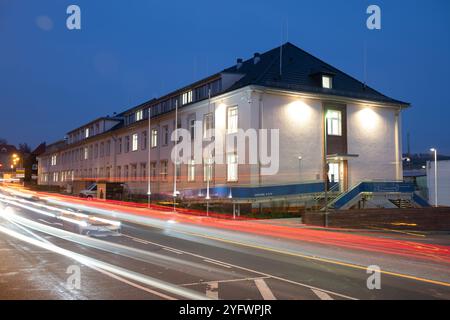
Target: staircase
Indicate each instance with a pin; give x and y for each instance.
(403, 203)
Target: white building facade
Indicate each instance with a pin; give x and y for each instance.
(332, 131)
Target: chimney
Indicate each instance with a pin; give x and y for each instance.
(238, 63)
(256, 58)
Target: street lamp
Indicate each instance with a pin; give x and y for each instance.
(435, 177)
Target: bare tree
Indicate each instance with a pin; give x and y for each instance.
(24, 148)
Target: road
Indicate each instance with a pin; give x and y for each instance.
(165, 259)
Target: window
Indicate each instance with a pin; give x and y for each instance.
(119, 146)
(208, 125)
(102, 149)
(139, 115)
(165, 135)
(144, 140)
(153, 169)
(86, 133)
(96, 151)
(191, 171)
(119, 172)
(178, 171)
(127, 144)
(334, 122)
(133, 172)
(333, 172)
(327, 82)
(134, 145)
(53, 160)
(143, 170)
(125, 172)
(192, 128)
(154, 141)
(86, 153)
(187, 97)
(164, 170)
(108, 148)
(232, 120)
(232, 167)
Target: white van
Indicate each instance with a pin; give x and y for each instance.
(90, 192)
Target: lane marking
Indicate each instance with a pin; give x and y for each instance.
(345, 264)
(264, 289)
(322, 295)
(223, 281)
(112, 275)
(218, 263)
(255, 271)
(212, 290)
(172, 250)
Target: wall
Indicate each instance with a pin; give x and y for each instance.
(371, 136)
(443, 182)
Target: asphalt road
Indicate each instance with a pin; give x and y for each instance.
(143, 262)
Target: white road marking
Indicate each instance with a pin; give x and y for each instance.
(266, 275)
(264, 289)
(112, 275)
(322, 295)
(222, 281)
(212, 290)
(172, 250)
(217, 263)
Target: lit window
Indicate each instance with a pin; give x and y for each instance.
(191, 171)
(86, 153)
(86, 133)
(208, 126)
(232, 167)
(333, 172)
(134, 144)
(327, 82)
(139, 115)
(186, 97)
(154, 141)
(334, 123)
(232, 120)
(53, 160)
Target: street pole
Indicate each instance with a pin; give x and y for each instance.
(435, 177)
(176, 157)
(208, 165)
(325, 169)
(149, 146)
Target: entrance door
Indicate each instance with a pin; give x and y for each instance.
(337, 173)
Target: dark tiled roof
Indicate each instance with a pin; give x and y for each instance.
(298, 70)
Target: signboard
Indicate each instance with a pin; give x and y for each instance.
(20, 173)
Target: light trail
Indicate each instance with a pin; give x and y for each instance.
(94, 263)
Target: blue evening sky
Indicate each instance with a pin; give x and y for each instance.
(53, 80)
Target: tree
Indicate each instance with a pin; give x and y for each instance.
(24, 148)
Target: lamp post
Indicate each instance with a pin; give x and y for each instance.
(434, 150)
(149, 146)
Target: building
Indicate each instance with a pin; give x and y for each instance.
(337, 136)
(443, 182)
